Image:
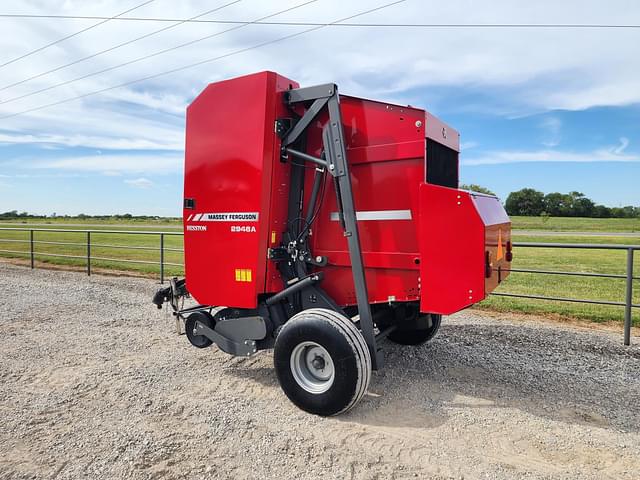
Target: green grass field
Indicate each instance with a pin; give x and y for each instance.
(145, 248)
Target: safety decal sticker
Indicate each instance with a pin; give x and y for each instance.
(243, 274)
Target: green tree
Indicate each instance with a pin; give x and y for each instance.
(600, 211)
(625, 212)
(557, 204)
(581, 206)
(528, 202)
(476, 188)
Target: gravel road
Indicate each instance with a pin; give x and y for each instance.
(94, 383)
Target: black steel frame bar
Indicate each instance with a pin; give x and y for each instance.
(337, 153)
(306, 156)
(336, 162)
(302, 124)
(315, 93)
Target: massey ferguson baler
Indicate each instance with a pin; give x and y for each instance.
(317, 224)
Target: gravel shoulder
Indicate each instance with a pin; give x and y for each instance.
(94, 383)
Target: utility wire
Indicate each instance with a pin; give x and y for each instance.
(104, 20)
(307, 24)
(102, 52)
(151, 55)
(202, 62)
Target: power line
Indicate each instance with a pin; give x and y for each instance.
(202, 62)
(102, 52)
(307, 24)
(155, 54)
(104, 20)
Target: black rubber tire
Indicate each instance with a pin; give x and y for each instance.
(199, 341)
(416, 336)
(348, 350)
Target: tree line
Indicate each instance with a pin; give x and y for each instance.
(15, 215)
(526, 202)
(531, 202)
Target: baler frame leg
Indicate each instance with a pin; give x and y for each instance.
(335, 161)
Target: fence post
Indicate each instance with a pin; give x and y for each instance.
(31, 248)
(88, 253)
(162, 258)
(628, 298)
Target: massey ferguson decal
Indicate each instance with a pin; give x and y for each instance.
(224, 217)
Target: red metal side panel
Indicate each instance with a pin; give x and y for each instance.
(228, 167)
(451, 249)
(385, 150)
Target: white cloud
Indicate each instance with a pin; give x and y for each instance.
(514, 156)
(624, 143)
(464, 146)
(551, 127)
(113, 164)
(140, 183)
(528, 69)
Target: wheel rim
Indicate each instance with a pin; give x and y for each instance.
(312, 367)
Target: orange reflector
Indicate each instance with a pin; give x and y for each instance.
(499, 253)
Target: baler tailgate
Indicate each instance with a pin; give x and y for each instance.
(464, 238)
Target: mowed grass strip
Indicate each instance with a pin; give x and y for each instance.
(577, 224)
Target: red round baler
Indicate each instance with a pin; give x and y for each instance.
(317, 223)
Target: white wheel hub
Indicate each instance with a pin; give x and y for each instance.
(312, 367)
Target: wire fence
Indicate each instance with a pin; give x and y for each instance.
(91, 240)
(628, 276)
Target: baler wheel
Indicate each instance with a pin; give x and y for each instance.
(196, 340)
(322, 362)
(406, 335)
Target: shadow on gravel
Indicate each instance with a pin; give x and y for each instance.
(265, 376)
(562, 375)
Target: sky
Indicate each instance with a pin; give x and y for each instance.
(555, 109)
